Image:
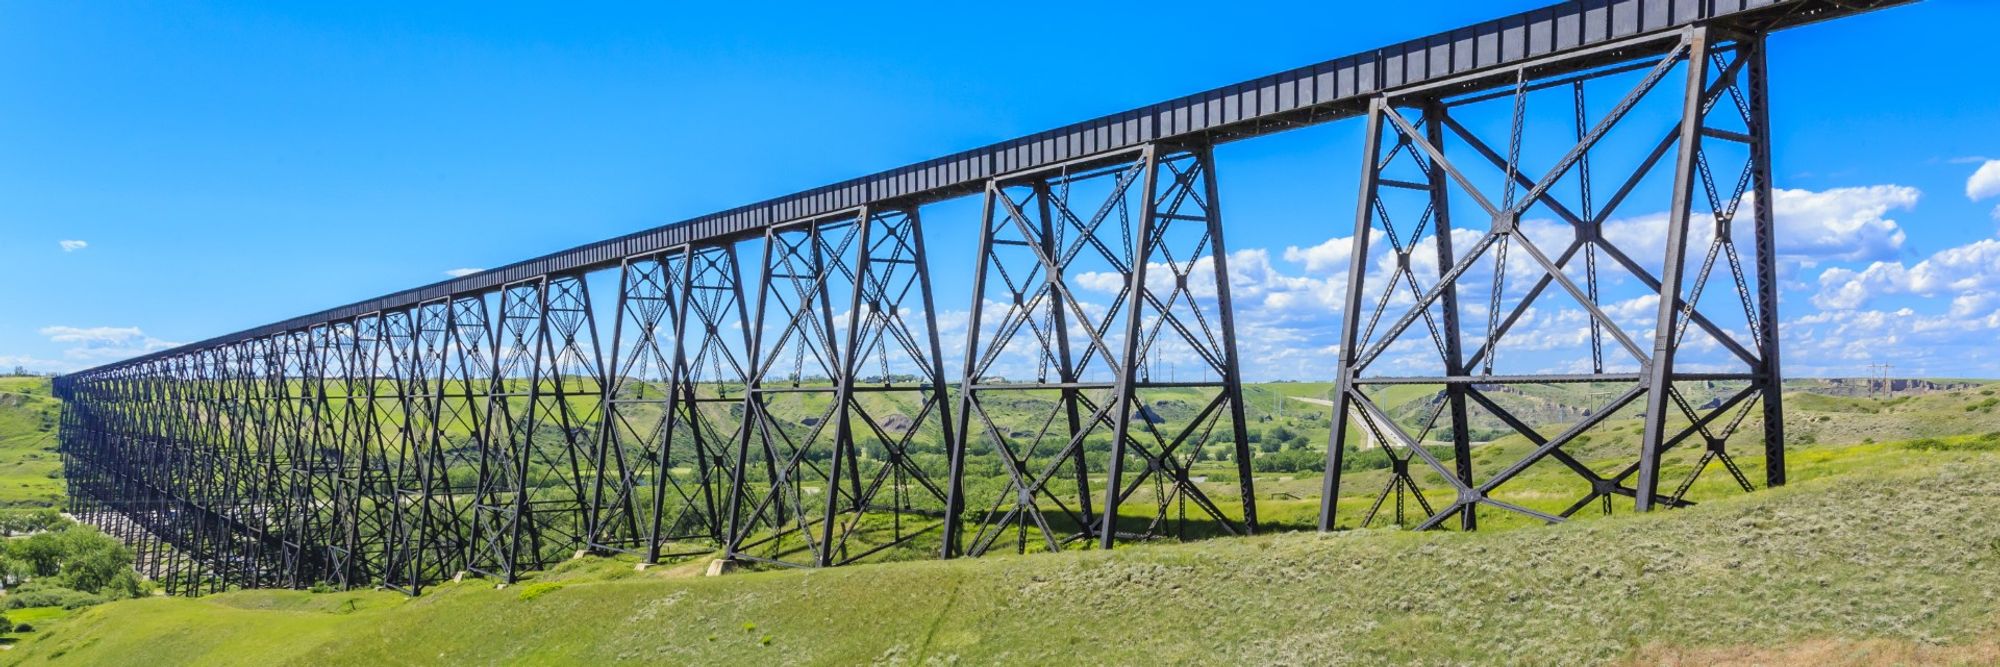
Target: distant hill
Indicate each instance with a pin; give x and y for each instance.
(30, 468)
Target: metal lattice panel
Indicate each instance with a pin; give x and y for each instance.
(1720, 99)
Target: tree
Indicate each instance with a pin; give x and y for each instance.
(93, 561)
(77, 557)
(38, 555)
(22, 522)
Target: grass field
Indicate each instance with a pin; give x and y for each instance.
(30, 470)
(1876, 554)
(1885, 557)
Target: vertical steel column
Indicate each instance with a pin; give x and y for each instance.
(954, 521)
(468, 367)
(940, 391)
(1128, 357)
(607, 455)
(1659, 373)
(1454, 355)
(421, 473)
(843, 397)
(712, 298)
(582, 378)
(753, 380)
(1067, 372)
(683, 388)
(502, 499)
(1350, 321)
(1232, 367)
(1758, 72)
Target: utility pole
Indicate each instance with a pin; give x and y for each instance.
(1878, 379)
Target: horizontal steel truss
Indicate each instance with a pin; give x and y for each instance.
(1724, 74)
(1025, 304)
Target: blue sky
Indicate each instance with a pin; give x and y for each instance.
(168, 174)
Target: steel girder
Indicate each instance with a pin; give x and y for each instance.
(1411, 185)
(1144, 226)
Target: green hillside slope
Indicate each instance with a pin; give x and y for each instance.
(1884, 556)
(30, 469)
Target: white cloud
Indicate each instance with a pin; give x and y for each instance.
(1967, 272)
(91, 334)
(102, 344)
(1841, 342)
(1107, 282)
(1333, 254)
(72, 245)
(1839, 224)
(1845, 224)
(461, 273)
(1985, 182)
(35, 365)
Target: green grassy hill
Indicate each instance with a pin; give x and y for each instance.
(1891, 564)
(1878, 553)
(30, 469)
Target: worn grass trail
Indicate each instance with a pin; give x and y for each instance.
(1899, 563)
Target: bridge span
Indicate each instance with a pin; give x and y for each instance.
(770, 382)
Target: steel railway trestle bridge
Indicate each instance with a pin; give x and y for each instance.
(769, 381)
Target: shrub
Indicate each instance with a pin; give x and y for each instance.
(71, 567)
(18, 522)
(1291, 460)
(1985, 443)
(36, 594)
(94, 562)
(532, 591)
